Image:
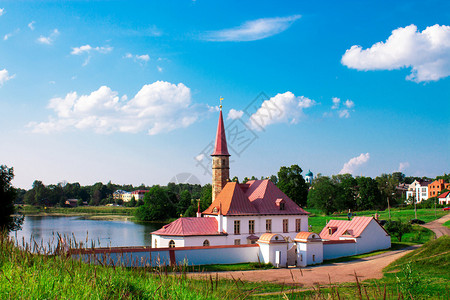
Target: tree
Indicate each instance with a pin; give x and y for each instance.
(397, 228)
(369, 196)
(292, 183)
(184, 202)
(157, 206)
(8, 221)
(346, 191)
(322, 195)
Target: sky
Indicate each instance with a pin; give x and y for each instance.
(128, 91)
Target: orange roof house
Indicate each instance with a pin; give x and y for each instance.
(436, 187)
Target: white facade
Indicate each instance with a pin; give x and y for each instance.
(372, 238)
(417, 191)
(126, 197)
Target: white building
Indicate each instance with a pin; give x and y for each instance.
(126, 197)
(239, 213)
(418, 190)
(444, 198)
(138, 195)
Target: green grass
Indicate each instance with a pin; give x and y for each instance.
(93, 210)
(447, 224)
(232, 267)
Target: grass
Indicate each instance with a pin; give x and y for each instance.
(91, 210)
(232, 267)
(447, 224)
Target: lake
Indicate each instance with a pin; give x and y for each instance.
(102, 233)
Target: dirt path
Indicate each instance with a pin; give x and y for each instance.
(437, 227)
(365, 268)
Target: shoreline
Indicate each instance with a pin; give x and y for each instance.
(88, 216)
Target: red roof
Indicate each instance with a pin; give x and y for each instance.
(344, 228)
(443, 195)
(221, 140)
(256, 197)
(139, 192)
(190, 226)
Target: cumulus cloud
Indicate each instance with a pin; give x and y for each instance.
(88, 48)
(352, 165)
(343, 112)
(2, 11)
(156, 108)
(138, 58)
(282, 108)
(252, 30)
(403, 166)
(48, 39)
(427, 53)
(4, 76)
(234, 114)
(31, 25)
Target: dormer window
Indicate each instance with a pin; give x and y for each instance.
(281, 204)
(331, 230)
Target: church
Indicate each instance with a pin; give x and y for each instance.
(240, 213)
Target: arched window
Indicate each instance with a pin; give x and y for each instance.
(206, 243)
(171, 244)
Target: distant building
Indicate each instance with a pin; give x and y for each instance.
(118, 195)
(309, 177)
(436, 187)
(444, 198)
(126, 197)
(71, 202)
(418, 190)
(138, 195)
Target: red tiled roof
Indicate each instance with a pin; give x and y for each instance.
(190, 226)
(256, 197)
(139, 192)
(221, 140)
(232, 201)
(352, 228)
(443, 195)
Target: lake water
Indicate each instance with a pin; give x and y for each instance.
(102, 233)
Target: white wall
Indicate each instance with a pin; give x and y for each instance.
(305, 252)
(372, 238)
(335, 250)
(268, 253)
(207, 256)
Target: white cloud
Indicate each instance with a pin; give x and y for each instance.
(4, 76)
(8, 35)
(336, 103)
(252, 30)
(235, 114)
(159, 68)
(89, 48)
(344, 113)
(139, 58)
(31, 25)
(48, 39)
(403, 166)
(283, 108)
(156, 108)
(349, 103)
(353, 164)
(427, 53)
(2, 11)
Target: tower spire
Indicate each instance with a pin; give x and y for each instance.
(220, 157)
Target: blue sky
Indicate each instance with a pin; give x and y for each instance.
(128, 91)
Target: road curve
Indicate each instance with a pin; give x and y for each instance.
(437, 227)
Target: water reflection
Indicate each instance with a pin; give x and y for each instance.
(106, 233)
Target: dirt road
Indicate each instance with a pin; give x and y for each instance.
(437, 226)
(365, 268)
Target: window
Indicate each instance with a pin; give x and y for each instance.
(237, 242)
(156, 244)
(285, 225)
(171, 244)
(269, 225)
(206, 243)
(237, 227)
(298, 225)
(301, 257)
(282, 206)
(314, 257)
(251, 226)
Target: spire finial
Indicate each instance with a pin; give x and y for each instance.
(220, 99)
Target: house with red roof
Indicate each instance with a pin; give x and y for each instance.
(444, 198)
(360, 235)
(239, 213)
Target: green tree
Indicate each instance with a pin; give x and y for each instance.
(184, 202)
(322, 195)
(397, 228)
(157, 206)
(369, 196)
(132, 202)
(346, 191)
(292, 183)
(7, 196)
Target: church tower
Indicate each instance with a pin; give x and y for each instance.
(220, 160)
